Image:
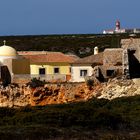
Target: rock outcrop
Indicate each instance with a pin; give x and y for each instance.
(18, 96)
(60, 93)
(116, 88)
(14, 96)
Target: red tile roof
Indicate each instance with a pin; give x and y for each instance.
(49, 57)
(92, 59)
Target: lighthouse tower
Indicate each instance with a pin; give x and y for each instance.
(117, 25)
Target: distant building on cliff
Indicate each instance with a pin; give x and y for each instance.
(119, 30)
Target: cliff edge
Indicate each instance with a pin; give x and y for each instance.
(54, 93)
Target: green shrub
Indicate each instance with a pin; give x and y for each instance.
(90, 83)
(118, 114)
(36, 83)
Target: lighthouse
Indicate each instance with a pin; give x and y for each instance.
(117, 25)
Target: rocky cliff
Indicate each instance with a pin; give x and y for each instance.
(17, 96)
(118, 88)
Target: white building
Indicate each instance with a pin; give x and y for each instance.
(82, 68)
(79, 72)
(11, 64)
(118, 30)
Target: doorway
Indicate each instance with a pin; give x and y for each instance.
(134, 64)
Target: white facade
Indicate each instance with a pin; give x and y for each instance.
(108, 32)
(78, 72)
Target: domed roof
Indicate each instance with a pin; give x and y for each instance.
(7, 51)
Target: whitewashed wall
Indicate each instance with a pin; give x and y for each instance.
(75, 73)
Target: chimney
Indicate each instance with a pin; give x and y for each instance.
(96, 50)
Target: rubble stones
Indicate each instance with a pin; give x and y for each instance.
(119, 88)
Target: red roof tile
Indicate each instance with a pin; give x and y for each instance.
(98, 59)
(50, 57)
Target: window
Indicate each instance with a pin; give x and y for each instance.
(83, 73)
(56, 70)
(110, 72)
(41, 71)
(70, 70)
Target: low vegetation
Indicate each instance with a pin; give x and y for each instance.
(36, 83)
(79, 44)
(95, 118)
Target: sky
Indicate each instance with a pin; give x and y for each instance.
(39, 17)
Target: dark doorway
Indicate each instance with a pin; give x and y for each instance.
(5, 75)
(134, 65)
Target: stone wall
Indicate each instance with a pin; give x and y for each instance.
(112, 63)
(25, 78)
(131, 57)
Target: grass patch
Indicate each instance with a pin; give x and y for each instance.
(122, 114)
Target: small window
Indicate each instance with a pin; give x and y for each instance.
(110, 72)
(41, 71)
(70, 70)
(83, 73)
(56, 70)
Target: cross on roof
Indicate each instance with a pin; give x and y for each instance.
(4, 41)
